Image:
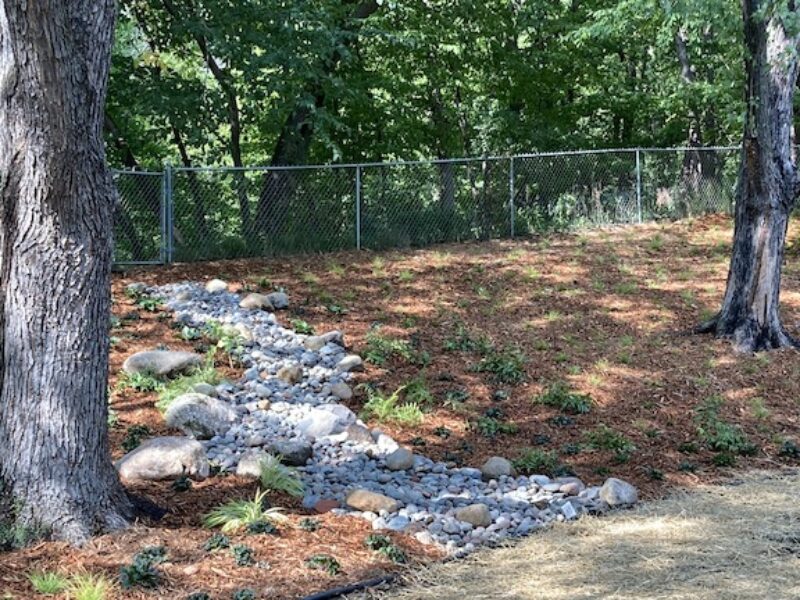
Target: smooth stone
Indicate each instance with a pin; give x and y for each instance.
(317, 342)
(165, 458)
(206, 389)
(351, 362)
(161, 363)
(495, 467)
(294, 453)
(477, 515)
(359, 434)
(290, 374)
(400, 460)
(320, 423)
(199, 415)
(249, 465)
(279, 300)
(342, 391)
(255, 301)
(367, 501)
(616, 492)
(215, 286)
(398, 523)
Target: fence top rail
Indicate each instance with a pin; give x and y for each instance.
(438, 161)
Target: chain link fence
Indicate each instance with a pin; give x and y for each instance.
(213, 213)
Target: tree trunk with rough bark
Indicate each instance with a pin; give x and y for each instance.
(767, 185)
(55, 261)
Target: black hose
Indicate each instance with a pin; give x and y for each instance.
(347, 589)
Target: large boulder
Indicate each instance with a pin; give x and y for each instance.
(367, 501)
(316, 342)
(477, 515)
(200, 416)
(161, 363)
(294, 453)
(496, 467)
(320, 423)
(165, 458)
(249, 465)
(256, 302)
(616, 492)
(278, 300)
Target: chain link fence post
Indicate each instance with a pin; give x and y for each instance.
(512, 193)
(168, 213)
(639, 183)
(358, 207)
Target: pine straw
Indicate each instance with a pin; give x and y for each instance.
(737, 540)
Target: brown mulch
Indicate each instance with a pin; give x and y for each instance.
(607, 312)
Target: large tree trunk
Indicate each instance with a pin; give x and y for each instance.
(55, 260)
(767, 187)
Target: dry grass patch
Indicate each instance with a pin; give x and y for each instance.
(737, 540)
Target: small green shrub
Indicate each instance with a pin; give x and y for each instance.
(198, 596)
(217, 541)
(383, 545)
(238, 514)
(277, 477)
(185, 384)
(381, 348)
(417, 392)
(48, 582)
(724, 459)
(142, 571)
(561, 397)
(719, 435)
(182, 484)
(789, 449)
(603, 437)
(141, 382)
(533, 461)
(309, 524)
(301, 326)
(243, 555)
(562, 421)
(133, 437)
(491, 428)
(324, 562)
(244, 594)
(149, 303)
(463, 341)
(506, 365)
(388, 409)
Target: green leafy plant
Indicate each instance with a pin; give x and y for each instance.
(603, 437)
(533, 461)
(561, 397)
(463, 341)
(719, 435)
(141, 382)
(417, 392)
(217, 541)
(384, 545)
(149, 303)
(506, 365)
(243, 555)
(244, 594)
(182, 484)
(490, 427)
(301, 326)
(48, 583)
(237, 514)
(309, 524)
(381, 348)
(389, 409)
(324, 562)
(277, 477)
(262, 527)
(142, 571)
(185, 384)
(133, 437)
(789, 449)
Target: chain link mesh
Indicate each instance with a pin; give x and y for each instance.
(205, 214)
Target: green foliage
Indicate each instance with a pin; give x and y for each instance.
(309, 524)
(235, 515)
(417, 392)
(506, 365)
(324, 562)
(133, 437)
(464, 341)
(381, 348)
(142, 572)
(789, 449)
(603, 437)
(534, 461)
(561, 397)
(384, 408)
(300, 326)
(217, 541)
(88, 586)
(141, 382)
(719, 435)
(490, 427)
(244, 594)
(48, 582)
(384, 545)
(182, 484)
(243, 555)
(277, 477)
(185, 383)
(149, 303)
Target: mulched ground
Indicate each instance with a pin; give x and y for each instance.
(607, 312)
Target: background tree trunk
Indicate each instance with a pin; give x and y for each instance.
(766, 189)
(55, 260)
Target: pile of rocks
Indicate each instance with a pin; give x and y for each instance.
(288, 402)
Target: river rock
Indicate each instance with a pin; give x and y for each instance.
(476, 515)
(316, 342)
(294, 453)
(161, 363)
(200, 416)
(249, 465)
(279, 300)
(320, 423)
(255, 302)
(165, 458)
(496, 467)
(367, 501)
(351, 362)
(400, 460)
(290, 374)
(342, 391)
(216, 286)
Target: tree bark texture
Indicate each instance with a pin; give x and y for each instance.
(766, 190)
(55, 260)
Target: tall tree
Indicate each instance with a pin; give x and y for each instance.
(57, 201)
(768, 180)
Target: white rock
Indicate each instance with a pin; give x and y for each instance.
(316, 342)
(255, 301)
(161, 363)
(320, 423)
(616, 492)
(165, 458)
(351, 362)
(215, 286)
(249, 465)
